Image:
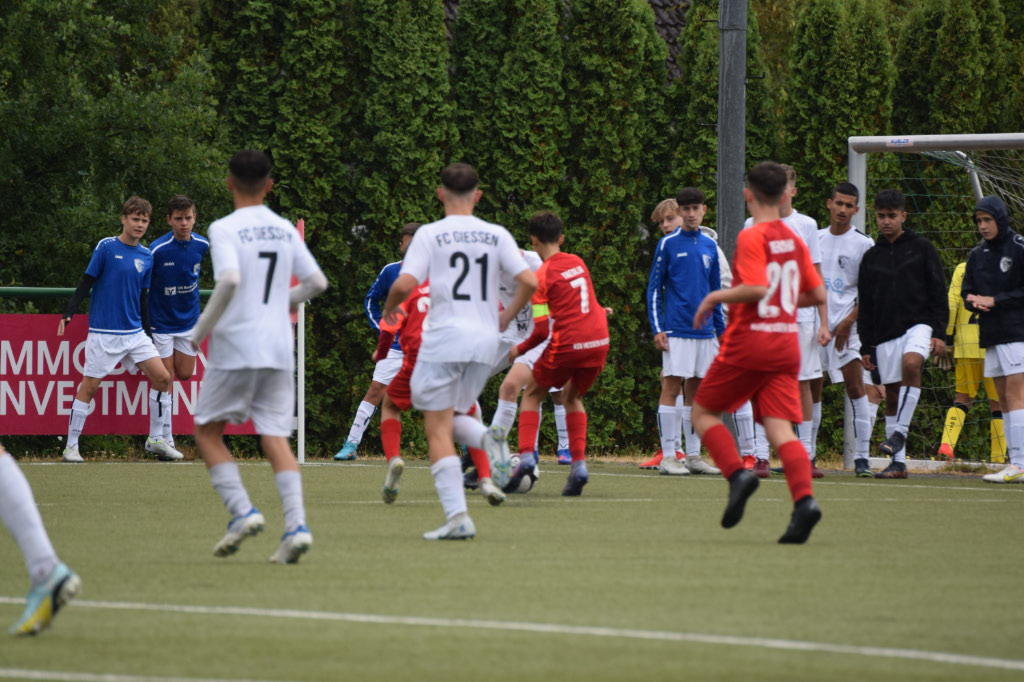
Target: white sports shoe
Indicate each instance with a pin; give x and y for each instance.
(492, 492)
(390, 490)
(496, 447)
(459, 528)
(670, 466)
(163, 451)
(239, 529)
(1011, 474)
(71, 454)
(697, 465)
(293, 545)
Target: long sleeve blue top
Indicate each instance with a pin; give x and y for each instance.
(685, 270)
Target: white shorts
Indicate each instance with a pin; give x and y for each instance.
(104, 351)
(234, 395)
(531, 356)
(1004, 359)
(833, 361)
(385, 370)
(688, 358)
(442, 385)
(176, 342)
(501, 362)
(889, 355)
(810, 359)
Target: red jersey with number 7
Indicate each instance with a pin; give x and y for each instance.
(762, 335)
(578, 324)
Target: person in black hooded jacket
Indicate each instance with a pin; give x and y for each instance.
(993, 287)
(902, 311)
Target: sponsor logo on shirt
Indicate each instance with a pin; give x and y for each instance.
(590, 344)
(118, 257)
(169, 291)
(168, 264)
(781, 246)
(785, 327)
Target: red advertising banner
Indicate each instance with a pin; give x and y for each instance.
(40, 373)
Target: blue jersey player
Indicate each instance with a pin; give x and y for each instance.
(173, 311)
(119, 276)
(385, 370)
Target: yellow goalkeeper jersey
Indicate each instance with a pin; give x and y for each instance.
(965, 332)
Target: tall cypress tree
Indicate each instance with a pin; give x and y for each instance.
(914, 50)
(997, 59)
(957, 73)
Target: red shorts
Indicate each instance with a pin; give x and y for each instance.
(398, 389)
(548, 374)
(773, 394)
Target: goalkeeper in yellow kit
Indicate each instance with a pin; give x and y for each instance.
(970, 365)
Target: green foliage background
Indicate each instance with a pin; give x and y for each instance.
(561, 105)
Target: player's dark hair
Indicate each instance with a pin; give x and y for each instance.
(409, 229)
(249, 170)
(767, 180)
(137, 205)
(545, 226)
(688, 196)
(847, 188)
(459, 178)
(179, 202)
(892, 199)
(790, 172)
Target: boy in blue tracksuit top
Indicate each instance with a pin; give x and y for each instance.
(173, 311)
(685, 270)
(385, 370)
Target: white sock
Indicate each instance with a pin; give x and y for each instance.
(560, 426)
(744, 418)
(156, 416)
(540, 420)
(289, 487)
(168, 413)
(689, 434)
(21, 516)
(447, 473)
(1013, 428)
(815, 424)
(890, 428)
(228, 484)
(679, 437)
(862, 423)
(363, 416)
(909, 395)
(760, 442)
(668, 418)
(803, 432)
(468, 430)
(873, 415)
(505, 414)
(79, 411)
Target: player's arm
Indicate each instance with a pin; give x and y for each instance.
(841, 333)
(144, 312)
(84, 286)
(223, 291)
(400, 290)
(527, 284)
(656, 297)
(312, 286)
(937, 301)
(715, 283)
(865, 309)
(371, 304)
(741, 293)
(813, 297)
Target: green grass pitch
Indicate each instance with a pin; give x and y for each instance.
(635, 580)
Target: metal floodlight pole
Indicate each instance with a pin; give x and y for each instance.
(732, 108)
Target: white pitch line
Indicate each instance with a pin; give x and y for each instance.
(59, 676)
(555, 628)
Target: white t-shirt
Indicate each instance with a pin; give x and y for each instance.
(521, 326)
(255, 331)
(806, 228)
(840, 263)
(465, 259)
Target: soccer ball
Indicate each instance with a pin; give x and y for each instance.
(528, 481)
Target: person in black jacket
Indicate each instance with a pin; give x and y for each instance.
(902, 313)
(993, 287)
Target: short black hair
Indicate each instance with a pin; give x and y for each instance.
(179, 202)
(847, 188)
(767, 180)
(409, 229)
(459, 178)
(689, 196)
(892, 199)
(250, 169)
(545, 226)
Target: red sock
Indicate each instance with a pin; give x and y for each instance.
(391, 437)
(480, 461)
(576, 424)
(797, 467)
(722, 447)
(529, 425)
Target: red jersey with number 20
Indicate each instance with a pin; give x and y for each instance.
(579, 327)
(762, 335)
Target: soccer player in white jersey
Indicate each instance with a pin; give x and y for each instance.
(842, 248)
(53, 583)
(251, 364)
(119, 276)
(811, 336)
(173, 310)
(464, 258)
